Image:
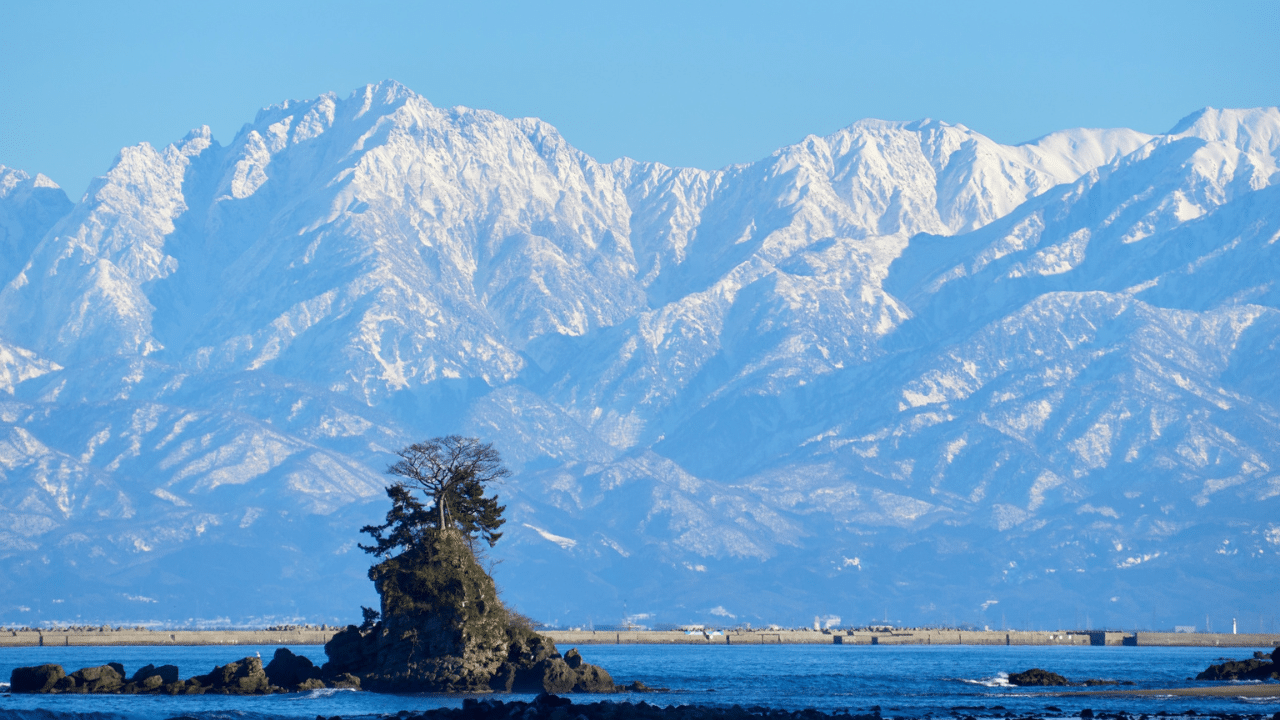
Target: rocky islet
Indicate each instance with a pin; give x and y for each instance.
(444, 629)
(1035, 677)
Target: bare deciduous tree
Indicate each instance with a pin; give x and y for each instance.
(455, 469)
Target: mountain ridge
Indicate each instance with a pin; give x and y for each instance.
(707, 380)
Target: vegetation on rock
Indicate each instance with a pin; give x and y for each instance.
(453, 473)
(441, 626)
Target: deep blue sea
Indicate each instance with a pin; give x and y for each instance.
(907, 682)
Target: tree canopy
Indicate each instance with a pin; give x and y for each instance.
(452, 474)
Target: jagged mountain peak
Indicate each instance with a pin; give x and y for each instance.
(29, 207)
(11, 179)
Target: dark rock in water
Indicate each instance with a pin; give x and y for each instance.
(1036, 676)
(548, 701)
(344, 681)
(38, 679)
(593, 679)
(151, 677)
(291, 671)
(639, 687)
(309, 684)
(443, 629)
(1254, 669)
(100, 679)
(244, 677)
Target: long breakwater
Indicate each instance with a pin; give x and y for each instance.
(80, 637)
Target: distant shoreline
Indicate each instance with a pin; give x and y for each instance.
(321, 635)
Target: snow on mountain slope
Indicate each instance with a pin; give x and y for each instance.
(813, 260)
(18, 365)
(902, 348)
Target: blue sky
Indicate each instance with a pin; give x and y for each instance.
(684, 83)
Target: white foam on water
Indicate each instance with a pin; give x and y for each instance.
(320, 693)
(1000, 680)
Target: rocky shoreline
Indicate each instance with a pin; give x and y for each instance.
(1261, 667)
(286, 673)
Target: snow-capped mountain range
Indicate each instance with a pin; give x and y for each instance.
(900, 370)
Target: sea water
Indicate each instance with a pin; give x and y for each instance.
(904, 681)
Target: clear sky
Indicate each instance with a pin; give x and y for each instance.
(684, 83)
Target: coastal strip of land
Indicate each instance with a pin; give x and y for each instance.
(311, 635)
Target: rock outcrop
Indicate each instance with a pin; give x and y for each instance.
(286, 673)
(243, 677)
(1037, 677)
(1260, 667)
(443, 629)
(293, 672)
(38, 679)
(107, 678)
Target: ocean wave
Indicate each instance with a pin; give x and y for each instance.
(319, 693)
(1000, 680)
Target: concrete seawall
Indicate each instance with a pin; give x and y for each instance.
(571, 638)
(46, 638)
(910, 637)
(810, 637)
(1207, 639)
